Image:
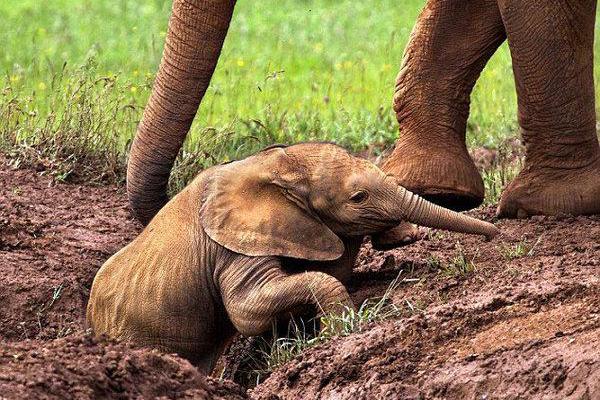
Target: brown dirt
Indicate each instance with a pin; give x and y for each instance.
(53, 239)
(85, 368)
(508, 328)
(526, 327)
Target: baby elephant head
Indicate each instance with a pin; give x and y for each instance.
(298, 201)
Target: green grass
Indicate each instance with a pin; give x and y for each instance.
(291, 70)
(520, 249)
(266, 356)
(457, 266)
(505, 166)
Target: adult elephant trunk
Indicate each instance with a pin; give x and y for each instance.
(197, 30)
(422, 212)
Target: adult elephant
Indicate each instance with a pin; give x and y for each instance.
(551, 44)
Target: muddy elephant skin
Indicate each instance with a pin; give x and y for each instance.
(249, 241)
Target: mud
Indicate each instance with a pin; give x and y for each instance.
(53, 239)
(514, 318)
(80, 367)
(511, 326)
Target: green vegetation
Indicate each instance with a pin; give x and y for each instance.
(268, 355)
(43, 309)
(75, 75)
(520, 249)
(459, 265)
(77, 135)
(501, 171)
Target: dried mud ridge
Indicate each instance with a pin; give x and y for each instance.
(510, 325)
(81, 367)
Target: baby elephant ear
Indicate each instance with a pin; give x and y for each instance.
(257, 207)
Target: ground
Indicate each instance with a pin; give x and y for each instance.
(516, 317)
(53, 239)
(512, 318)
(81, 367)
(527, 327)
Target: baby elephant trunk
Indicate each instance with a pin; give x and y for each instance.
(422, 212)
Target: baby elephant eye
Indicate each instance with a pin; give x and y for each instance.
(359, 197)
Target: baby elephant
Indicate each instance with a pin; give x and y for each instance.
(251, 240)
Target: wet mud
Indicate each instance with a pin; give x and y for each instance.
(517, 317)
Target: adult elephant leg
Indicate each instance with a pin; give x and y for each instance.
(551, 44)
(450, 44)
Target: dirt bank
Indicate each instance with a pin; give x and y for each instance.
(517, 317)
(53, 239)
(522, 320)
(80, 367)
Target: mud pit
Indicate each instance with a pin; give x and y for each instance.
(483, 319)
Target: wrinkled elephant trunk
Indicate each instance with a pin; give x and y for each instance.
(422, 212)
(197, 30)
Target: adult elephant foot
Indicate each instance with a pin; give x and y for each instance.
(445, 56)
(552, 49)
(446, 176)
(552, 192)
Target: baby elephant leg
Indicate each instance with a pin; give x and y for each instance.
(341, 268)
(252, 309)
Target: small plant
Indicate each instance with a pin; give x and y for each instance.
(56, 293)
(415, 307)
(63, 331)
(269, 354)
(371, 310)
(433, 262)
(434, 235)
(283, 349)
(504, 168)
(517, 250)
(459, 265)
